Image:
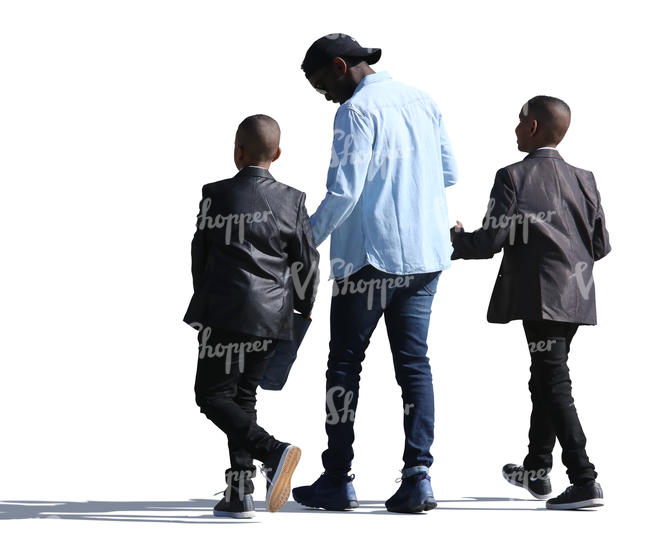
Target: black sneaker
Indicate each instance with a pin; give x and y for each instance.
(585, 495)
(537, 482)
(278, 469)
(239, 508)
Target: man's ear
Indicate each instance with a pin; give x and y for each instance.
(340, 67)
(534, 126)
(277, 155)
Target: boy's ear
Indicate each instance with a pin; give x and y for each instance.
(239, 155)
(277, 155)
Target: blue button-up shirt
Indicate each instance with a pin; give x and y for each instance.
(385, 203)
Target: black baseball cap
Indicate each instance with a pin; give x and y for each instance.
(325, 49)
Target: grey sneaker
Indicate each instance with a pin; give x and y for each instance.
(585, 495)
(277, 470)
(537, 482)
(239, 508)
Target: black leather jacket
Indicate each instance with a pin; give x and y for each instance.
(253, 256)
(547, 217)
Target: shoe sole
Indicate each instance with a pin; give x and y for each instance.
(536, 495)
(417, 510)
(330, 508)
(236, 515)
(280, 488)
(589, 503)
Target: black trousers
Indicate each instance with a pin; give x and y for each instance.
(229, 370)
(554, 413)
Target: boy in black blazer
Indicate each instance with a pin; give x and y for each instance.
(253, 263)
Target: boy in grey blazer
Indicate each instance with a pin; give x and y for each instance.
(547, 217)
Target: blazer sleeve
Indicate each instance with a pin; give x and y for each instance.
(498, 223)
(600, 239)
(199, 242)
(303, 262)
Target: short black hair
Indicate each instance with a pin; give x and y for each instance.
(542, 107)
(551, 113)
(259, 134)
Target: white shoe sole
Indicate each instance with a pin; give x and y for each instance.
(280, 488)
(589, 503)
(236, 515)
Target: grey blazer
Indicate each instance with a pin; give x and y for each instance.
(547, 217)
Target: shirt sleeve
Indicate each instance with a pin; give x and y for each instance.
(351, 155)
(449, 165)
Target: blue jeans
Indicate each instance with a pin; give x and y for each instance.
(358, 302)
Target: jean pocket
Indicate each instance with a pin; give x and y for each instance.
(429, 289)
(431, 286)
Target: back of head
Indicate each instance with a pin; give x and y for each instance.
(259, 135)
(553, 116)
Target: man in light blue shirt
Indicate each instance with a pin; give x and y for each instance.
(386, 210)
(391, 161)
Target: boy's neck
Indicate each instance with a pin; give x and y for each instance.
(546, 146)
(265, 165)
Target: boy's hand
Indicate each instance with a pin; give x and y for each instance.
(458, 228)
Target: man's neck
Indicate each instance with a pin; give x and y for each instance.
(359, 74)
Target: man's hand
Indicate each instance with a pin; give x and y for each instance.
(458, 228)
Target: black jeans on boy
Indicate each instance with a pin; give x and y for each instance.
(554, 413)
(230, 368)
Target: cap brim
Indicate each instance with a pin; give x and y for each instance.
(370, 55)
(374, 56)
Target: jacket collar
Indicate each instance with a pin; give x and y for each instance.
(251, 171)
(544, 153)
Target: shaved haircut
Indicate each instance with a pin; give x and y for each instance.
(552, 114)
(260, 136)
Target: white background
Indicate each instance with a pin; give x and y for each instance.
(114, 114)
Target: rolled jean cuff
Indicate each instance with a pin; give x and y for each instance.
(410, 471)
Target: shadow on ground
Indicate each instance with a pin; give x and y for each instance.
(200, 510)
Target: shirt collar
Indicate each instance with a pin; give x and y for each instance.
(372, 78)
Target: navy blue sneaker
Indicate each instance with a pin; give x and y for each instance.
(328, 492)
(414, 495)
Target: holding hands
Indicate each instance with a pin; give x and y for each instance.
(458, 228)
